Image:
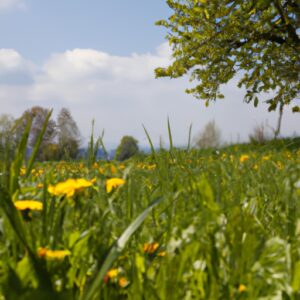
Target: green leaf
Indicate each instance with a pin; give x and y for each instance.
(296, 109)
(37, 144)
(115, 251)
(190, 138)
(150, 141)
(19, 159)
(296, 277)
(170, 135)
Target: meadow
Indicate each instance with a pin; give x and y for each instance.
(176, 224)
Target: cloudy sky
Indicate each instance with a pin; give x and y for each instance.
(97, 58)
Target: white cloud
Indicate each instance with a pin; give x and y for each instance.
(121, 94)
(78, 64)
(14, 69)
(11, 4)
(11, 61)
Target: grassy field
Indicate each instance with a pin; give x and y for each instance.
(178, 224)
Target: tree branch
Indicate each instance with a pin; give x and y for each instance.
(291, 30)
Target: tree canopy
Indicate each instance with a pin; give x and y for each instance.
(6, 133)
(61, 139)
(128, 147)
(213, 40)
(68, 134)
(209, 137)
(38, 115)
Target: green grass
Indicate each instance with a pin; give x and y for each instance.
(223, 228)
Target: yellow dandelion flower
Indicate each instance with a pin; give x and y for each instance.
(83, 183)
(23, 171)
(28, 204)
(101, 170)
(162, 253)
(242, 288)
(37, 172)
(113, 169)
(67, 188)
(113, 183)
(111, 274)
(150, 248)
(121, 167)
(70, 186)
(288, 154)
(42, 252)
(53, 254)
(152, 167)
(40, 185)
(279, 165)
(244, 157)
(123, 282)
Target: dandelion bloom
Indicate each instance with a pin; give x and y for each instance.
(244, 157)
(266, 157)
(152, 167)
(69, 187)
(23, 171)
(28, 204)
(242, 288)
(150, 248)
(279, 165)
(113, 183)
(123, 282)
(111, 274)
(113, 169)
(53, 254)
(101, 170)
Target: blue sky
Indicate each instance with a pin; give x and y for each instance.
(98, 58)
(115, 26)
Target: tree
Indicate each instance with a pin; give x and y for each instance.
(68, 135)
(6, 125)
(213, 40)
(210, 137)
(7, 141)
(128, 147)
(38, 115)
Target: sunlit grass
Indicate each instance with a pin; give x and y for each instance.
(178, 224)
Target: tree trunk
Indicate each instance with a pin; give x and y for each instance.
(277, 131)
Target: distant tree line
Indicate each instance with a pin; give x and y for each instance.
(62, 138)
(60, 141)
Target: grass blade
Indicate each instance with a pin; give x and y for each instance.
(150, 141)
(115, 251)
(103, 146)
(37, 144)
(170, 135)
(190, 137)
(19, 158)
